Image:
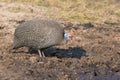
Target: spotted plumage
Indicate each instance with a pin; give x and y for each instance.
(39, 34)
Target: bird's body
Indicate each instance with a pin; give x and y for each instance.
(38, 34)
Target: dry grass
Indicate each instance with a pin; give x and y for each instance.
(79, 10)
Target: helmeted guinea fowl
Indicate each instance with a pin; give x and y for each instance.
(39, 34)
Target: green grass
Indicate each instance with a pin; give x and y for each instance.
(78, 10)
(118, 14)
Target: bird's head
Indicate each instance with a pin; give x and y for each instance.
(68, 36)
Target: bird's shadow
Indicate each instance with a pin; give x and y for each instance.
(71, 52)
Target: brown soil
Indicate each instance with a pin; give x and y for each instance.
(93, 54)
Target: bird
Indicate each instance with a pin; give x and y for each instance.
(39, 34)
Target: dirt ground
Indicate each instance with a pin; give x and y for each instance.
(93, 54)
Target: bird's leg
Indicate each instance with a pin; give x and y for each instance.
(40, 54)
(43, 55)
